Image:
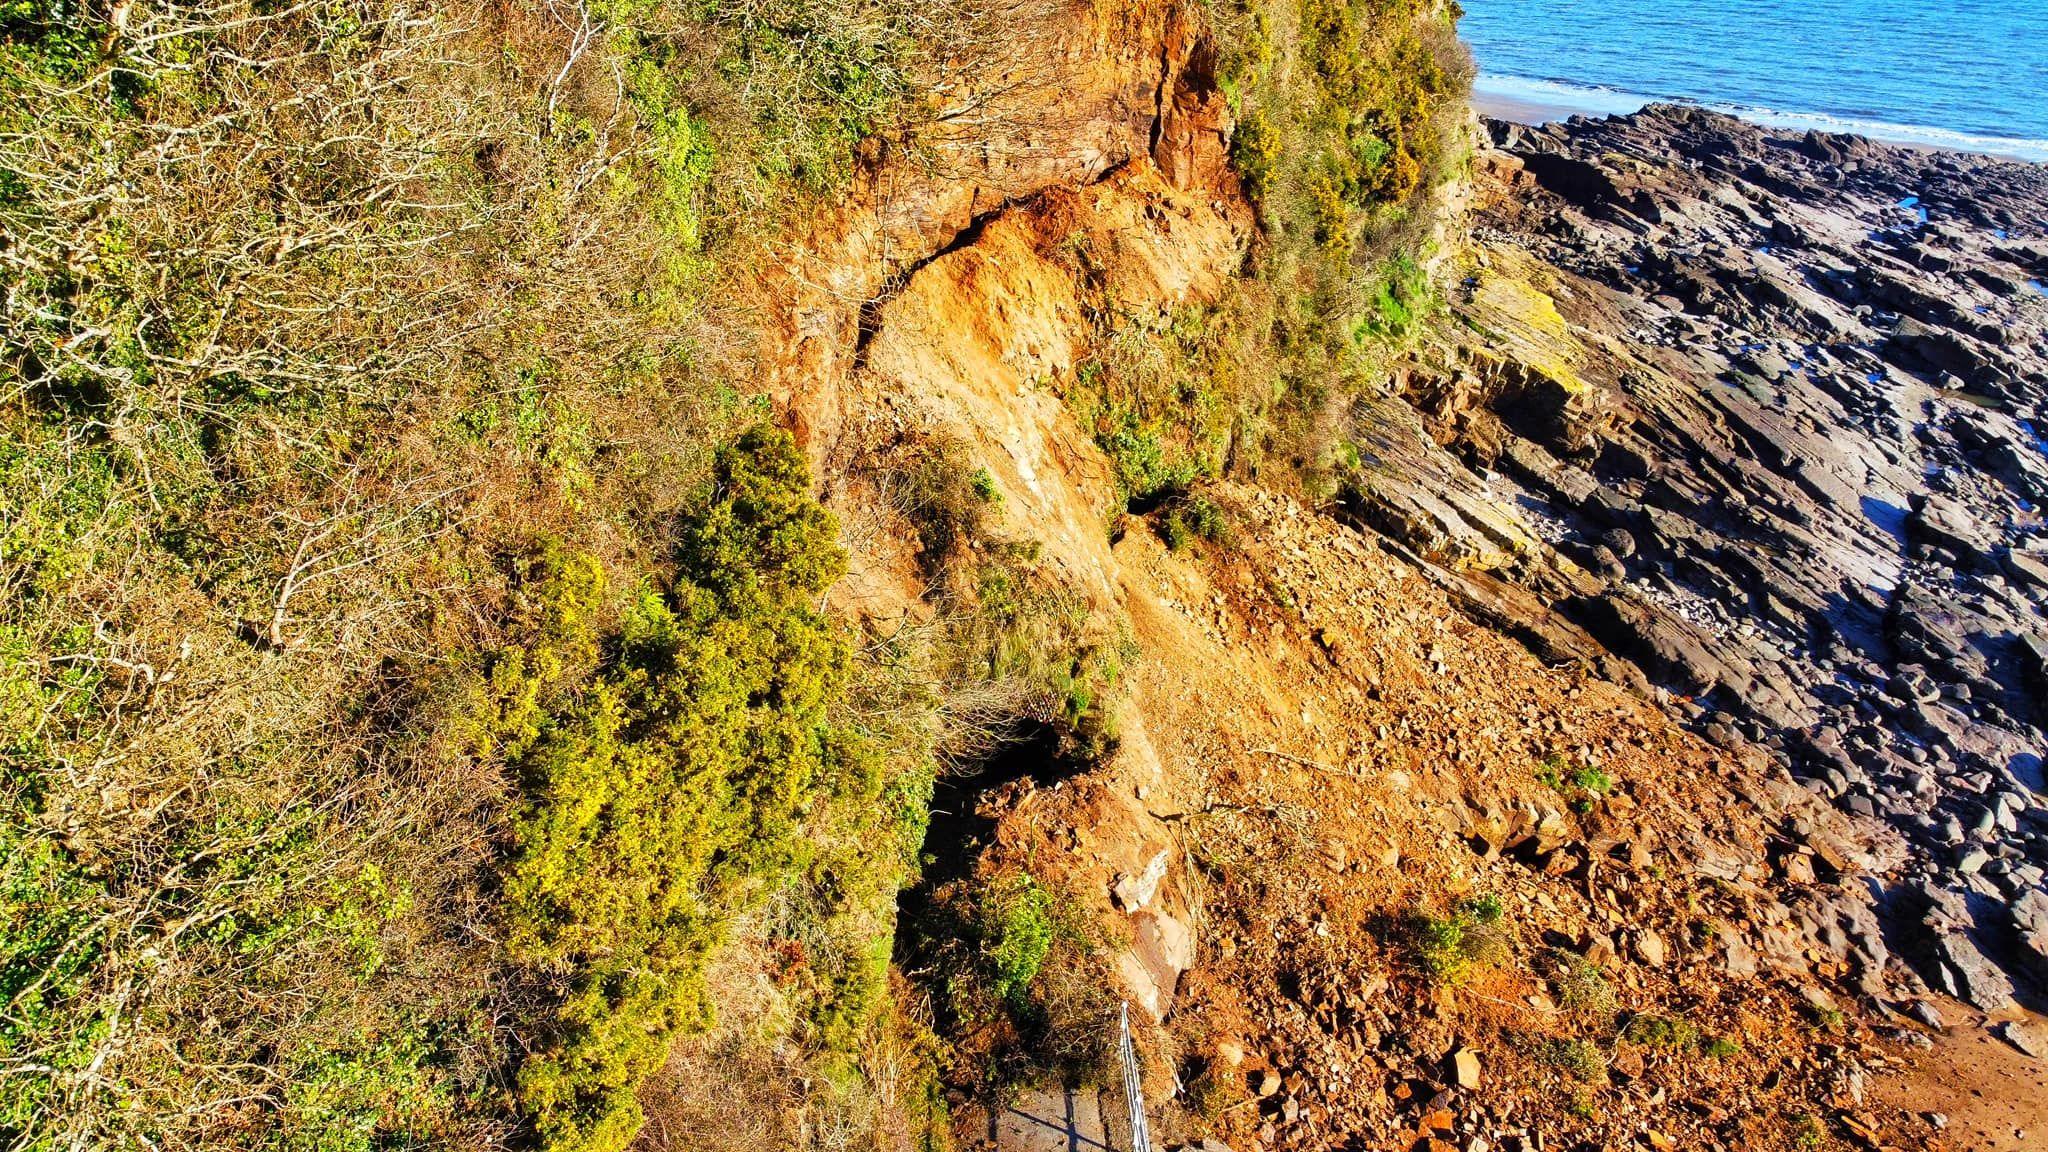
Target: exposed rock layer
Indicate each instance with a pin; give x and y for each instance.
(1782, 454)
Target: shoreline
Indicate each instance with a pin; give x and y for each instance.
(1532, 113)
(1538, 102)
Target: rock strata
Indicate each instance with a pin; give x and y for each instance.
(1768, 407)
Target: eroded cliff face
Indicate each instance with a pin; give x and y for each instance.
(1083, 92)
(1386, 850)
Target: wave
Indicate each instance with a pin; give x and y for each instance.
(1595, 100)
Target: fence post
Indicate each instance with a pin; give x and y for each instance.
(1134, 1087)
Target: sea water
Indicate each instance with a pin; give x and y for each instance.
(1970, 74)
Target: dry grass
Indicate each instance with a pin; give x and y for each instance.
(319, 316)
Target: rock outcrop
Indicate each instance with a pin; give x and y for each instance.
(1786, 461)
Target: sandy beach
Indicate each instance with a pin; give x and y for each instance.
(1518, 111)
(1537, 102)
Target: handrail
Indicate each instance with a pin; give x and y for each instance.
(1134, 1087)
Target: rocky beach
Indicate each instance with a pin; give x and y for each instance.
(1759, 412)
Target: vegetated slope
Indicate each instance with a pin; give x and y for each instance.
(1638, 935)
(412, 662)
(414, 680)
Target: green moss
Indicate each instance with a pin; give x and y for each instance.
(1400, 299)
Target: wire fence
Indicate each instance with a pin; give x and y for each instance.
(1134, 1088)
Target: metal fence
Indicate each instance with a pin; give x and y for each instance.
(1134, 1087)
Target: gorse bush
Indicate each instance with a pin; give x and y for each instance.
(1345, 100)
(670, 791)
(1348, 125)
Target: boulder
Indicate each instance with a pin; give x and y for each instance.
(1944, 523)
(1948, 950)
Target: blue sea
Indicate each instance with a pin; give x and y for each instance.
(1969, 74)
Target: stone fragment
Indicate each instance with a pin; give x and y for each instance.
(1738, 959)
(1599, 951)
(2028, 1038)
(1649, 947)
(1135, 892)
(1465, 1067)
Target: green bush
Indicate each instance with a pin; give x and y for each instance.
(1651, 1031)
(1582, 785)
(1193, 518)
(1018, 927)
(1020, 982)
(1371, 82)
(1582, 989)
(670, 792)
(1579, 1059)
(985, 489)
(1164, 398)
(1255, 152)
(1347, 116)
(1447, 946)
(947, 503)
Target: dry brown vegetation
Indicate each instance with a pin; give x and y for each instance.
(322, 321)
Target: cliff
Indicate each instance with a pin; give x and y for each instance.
(749, 575)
